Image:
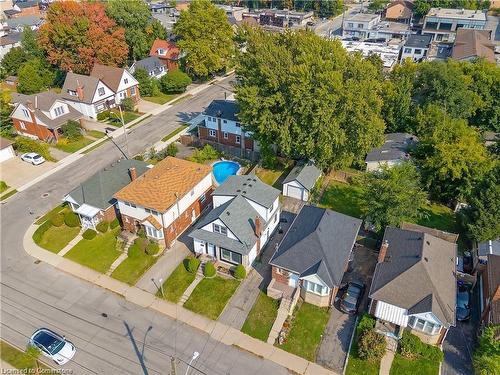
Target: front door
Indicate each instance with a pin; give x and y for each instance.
(211, 249)
(293, 280)
(193, 215)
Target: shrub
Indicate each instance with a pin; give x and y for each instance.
(366, 322)
(205, 154)
(72, 130)
(102, 226)
(240, 272)
(193, 264)
(209, 270)
(486, 357)
(371, 345)
(103, 115)
(152, 248)
(40, 231)
(155, 88)
(172, 149)
(412, 347)
(145, 81)
(142, 243)
(114, 224)
(57, 220)
(128, 104)
(25, 144)
(141, 233)
(89, 234)
(71, 220)
(175, 81)
(134, 251)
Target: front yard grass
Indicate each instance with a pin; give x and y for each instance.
(174, 133)
(96, 133)
(211, 295)
(98, 253)
(19, 359)
(131, 269)
(261, 318)
(50, 214)
(405, 366)
(177, 282)
(160, 99)
(342, 197)
(307, 326)
(56, 238)
(73, 146)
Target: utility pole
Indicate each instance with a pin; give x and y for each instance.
(173, 370)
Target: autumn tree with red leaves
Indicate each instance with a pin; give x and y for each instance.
(78, 35)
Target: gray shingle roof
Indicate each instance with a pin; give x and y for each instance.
(88, 84)
(306, 173)
(150, 64)
(489, 247)
(418, 274)
(418, 41)
(98, 190)
(395, 147)
(250, 187)
(225, 109)
(319, 241)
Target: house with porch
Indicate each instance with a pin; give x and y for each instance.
(168, 53)
(313, 255)
(120, 80)
(93, 200)
(414, 285)
(166, 199)
(41, 116)
(245, 214)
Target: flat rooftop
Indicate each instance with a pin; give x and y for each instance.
(388, 53)
(362, 17)
(477, 15)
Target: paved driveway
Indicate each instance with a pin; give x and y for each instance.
(16, 172)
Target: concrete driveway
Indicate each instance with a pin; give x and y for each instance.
(16, 172)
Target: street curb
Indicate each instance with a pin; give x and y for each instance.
(217, 331)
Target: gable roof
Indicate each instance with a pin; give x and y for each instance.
(395, 147)
(163, 184)
(306, 173)
(407, 12)
(250, 187)
(149, 64)
(88, 85)
(417, 274)
(226, 109)
(110, 75)
(471, 43)
(319, 241)
(98, 190)
(172, 50)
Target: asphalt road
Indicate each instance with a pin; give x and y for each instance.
(128, 339)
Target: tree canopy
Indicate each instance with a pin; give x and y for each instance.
(5, 110)
(77, 35)
(34, 76)
(206, 37)
(13, 60)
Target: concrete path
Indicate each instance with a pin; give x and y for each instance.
(71, 244)
(190, 288)
(386, 362)
(116, 263)
(278, 323)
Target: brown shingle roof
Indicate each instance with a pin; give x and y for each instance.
(151, 220)
(4, 143)
(110, 75)
(157, 188)
(473, 43)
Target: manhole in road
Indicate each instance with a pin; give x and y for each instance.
(45, 195)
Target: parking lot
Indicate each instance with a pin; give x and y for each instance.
(16, 172)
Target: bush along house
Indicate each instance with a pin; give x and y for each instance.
(93, 200)
(166, 199)
(245, 214)
(313, 255)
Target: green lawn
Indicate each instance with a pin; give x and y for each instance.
(56, 238)
(343, 198)
(177, 283)
(438, 216)
(404, 366)
(7, 195)
(304, 337)
(174, 133)
(3, 186)
(131, 269)
(50, 214)
(98, 253)
(269, 176)
(211, 295)
(73, 146)
(96, 133)
(358, 366)
(261, 318)
(160, 99)
(128, 116)
(18, 359)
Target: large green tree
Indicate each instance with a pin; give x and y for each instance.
(5, 110)
(308, 97)
(145, 81)
(486, 357)
(34, 76)
(392, 195)
(206, 37)
(30, 44)
(13, 60)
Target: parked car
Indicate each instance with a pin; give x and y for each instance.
(33, 158)
(53, 346)
(351, 299)
(463, 303)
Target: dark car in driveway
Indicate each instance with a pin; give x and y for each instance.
(351, 298)
(463, 310)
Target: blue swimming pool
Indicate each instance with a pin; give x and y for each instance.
(223, 169)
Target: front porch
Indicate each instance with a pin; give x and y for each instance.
(89, 216)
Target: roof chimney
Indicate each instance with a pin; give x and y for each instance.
(36, 101)
(29, 104)
(258, 227)
(133, 173)
(79, 90)
(383, 251)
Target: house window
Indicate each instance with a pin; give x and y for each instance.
(209, 119)
(152, 232)
(271, 208)
(202, 198)
(350, 24)
(161, 51)
(72, 92)
(275, 217)
(238, 139)
(22, 125)
(59, 110)
(129, 204)
(125, 81)
(26, 113)
(152, 212)
(212, 133)
(418, 52)
(100, 91)
(226, 136)
(278, 271)
(423, 325)
(132, 91)
(360, 25)
(315, 288)
(238, 125)
(230, 256)
(407, 50)
(220, 229)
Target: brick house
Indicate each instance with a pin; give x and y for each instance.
(313, 255)
(167, 52)
(165, 200)
(93, 200)
(399, 11)
(41, 116)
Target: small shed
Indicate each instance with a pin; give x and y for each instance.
(301, 180)
(6, 149)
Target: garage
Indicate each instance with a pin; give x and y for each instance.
(301, 180)
(295, 191)
(6, 150)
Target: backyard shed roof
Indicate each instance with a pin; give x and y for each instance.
(306, 173)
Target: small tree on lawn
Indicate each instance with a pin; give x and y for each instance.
(371, 345)
(175, 81)
(72, 130)
(128, 104)
(145, 81)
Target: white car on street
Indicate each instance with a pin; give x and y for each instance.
(33, 158)
(52, 345)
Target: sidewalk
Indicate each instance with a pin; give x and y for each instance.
(216, 330)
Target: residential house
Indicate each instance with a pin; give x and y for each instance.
(93, 201)
(167, 199)
(19, 23)
(358, 25)
(442, 23)
(489, 291)
(123, 83)
(167, 52)
(26, 8)
(313, 255)
(41, 116)
(472, 44)
(220, 125)
(301, 180)
(399, 11)
(9, 41)
(245, 214)
(233, 12)
(12, 81)
(6, 149)
(152, 65)
(279, 18)
(416, 47)
(87, 94)
(414, 284)
(394, 151)
(388, 53)
(160, 7)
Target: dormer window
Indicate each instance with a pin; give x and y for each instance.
(72, 92)
(100, 91)
(161, 52)
(220, 229)
(26, 113)
(59, 111)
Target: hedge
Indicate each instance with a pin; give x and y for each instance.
(240, 272)
(89, 234)
(25, 144)
(114, 224)
(152, 248)
(40, 231)
(103, 115)
(57, 220)
(371, 345)
(193, 264)
(412, 347)
(209, 270)
(102, 226)
(71, 220)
